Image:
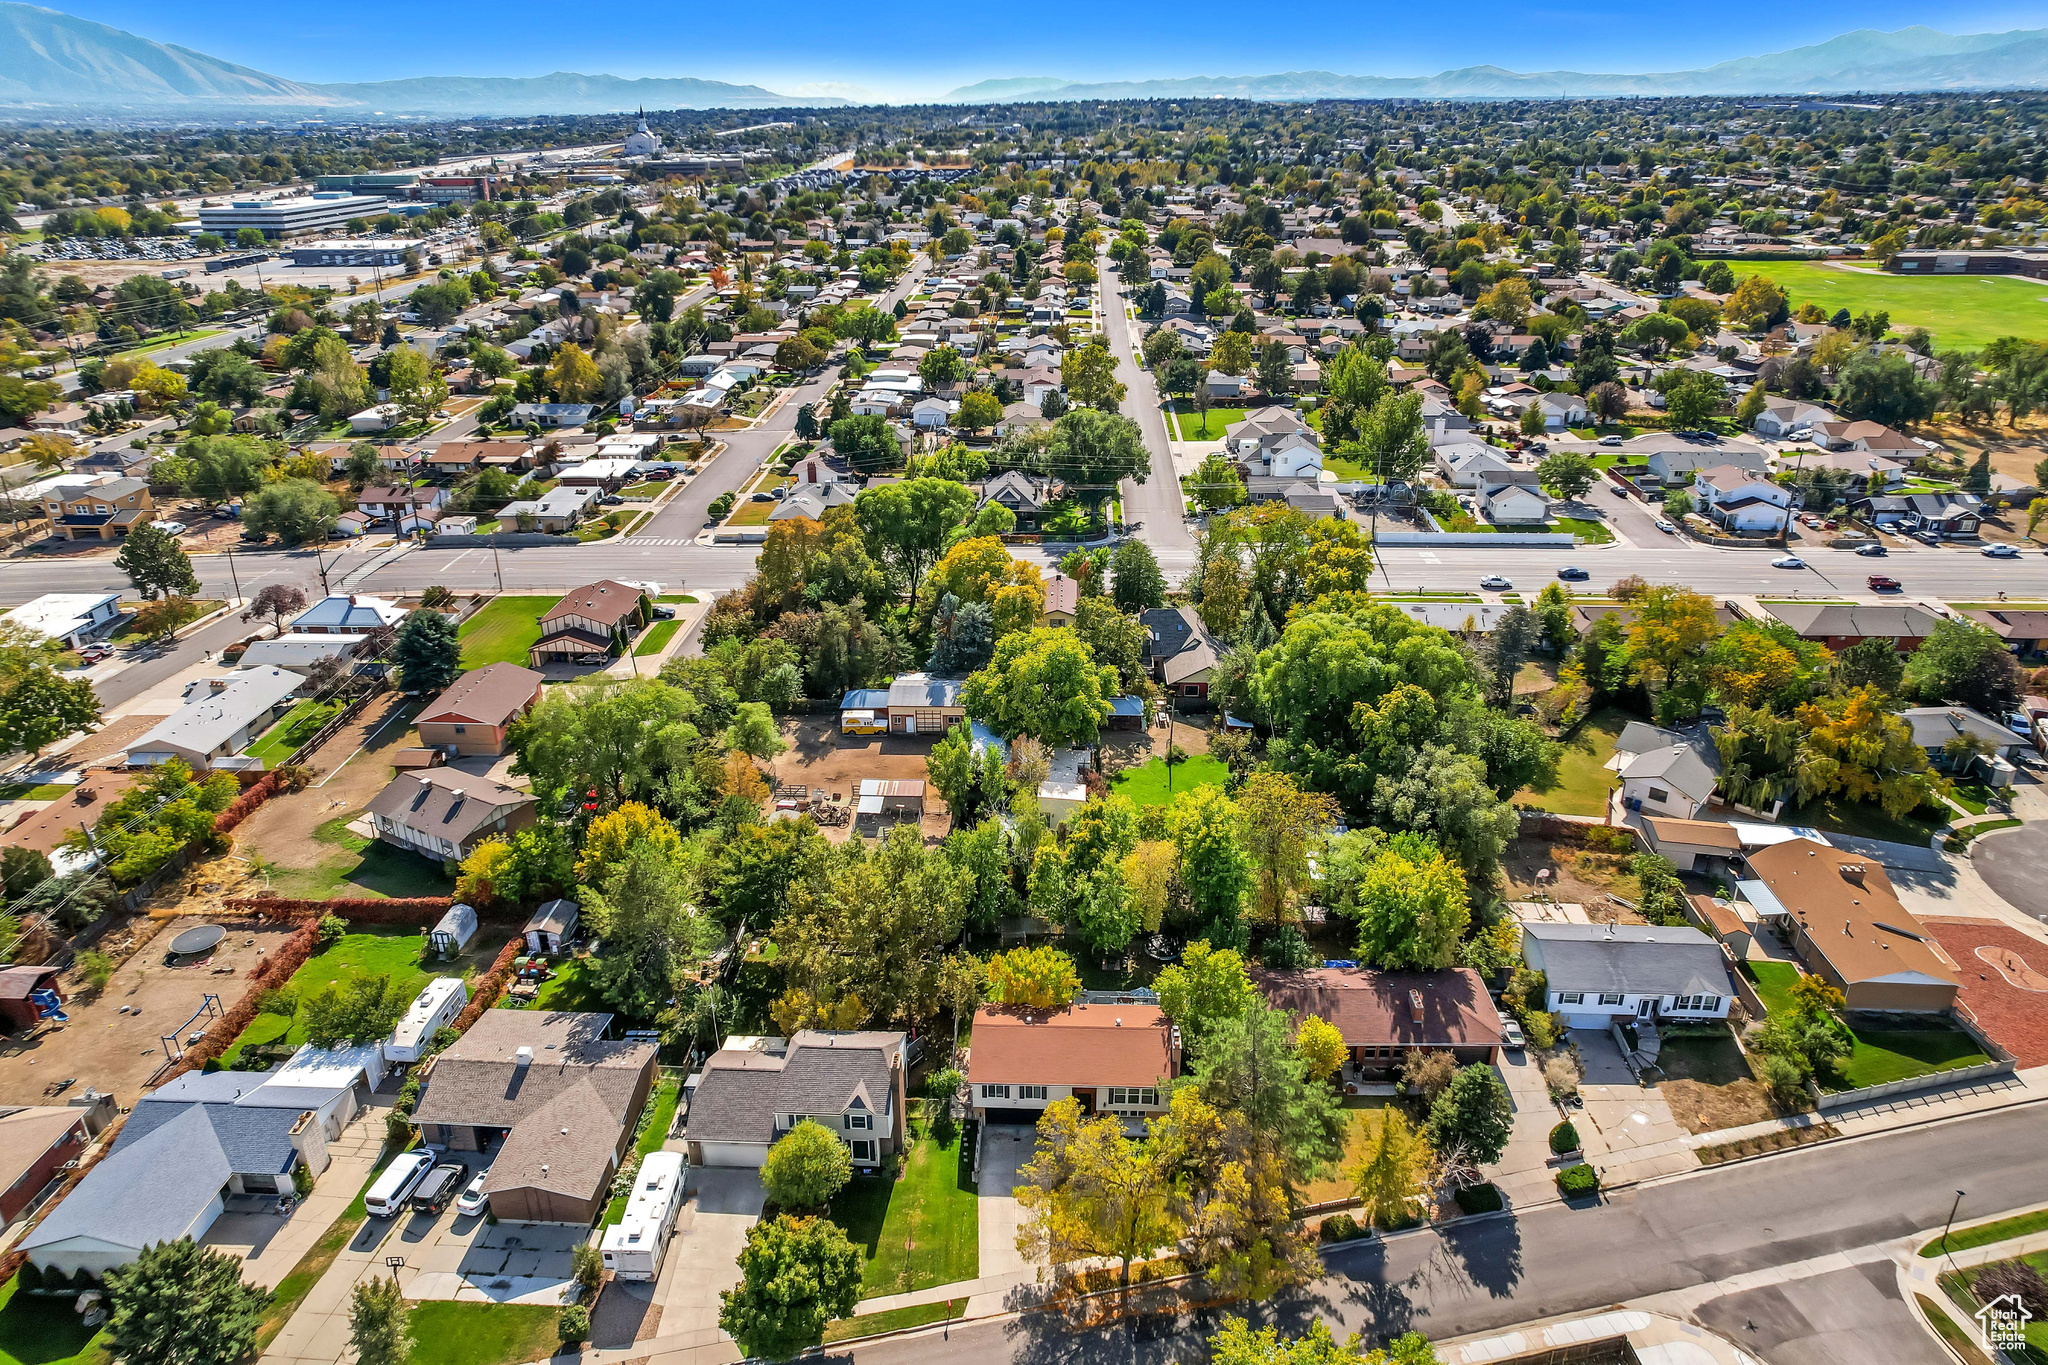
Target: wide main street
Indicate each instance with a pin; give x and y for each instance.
(1816, 1204)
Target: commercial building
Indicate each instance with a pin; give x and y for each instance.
(322, 211)
(387, 184)
(367, 252)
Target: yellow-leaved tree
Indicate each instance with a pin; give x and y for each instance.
(1040, 978)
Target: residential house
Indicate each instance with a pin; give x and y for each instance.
(1677, 465)
(442, 814)
(596, 619)
(920, 704)
(475, 713)
(67, 418)
(301, 654)
(1227, 388)
(2024, 632)
(1021, 416)
(813, 501)
(1179, 651)
(1514, 504)
(1035, 383)
(1951, 516)
(100, 511)
(1275, 442)
(1600, 974)
(1385, 1017)
(224, 718)
(552, 416)
(1839, 625)
(347, 614)
(556, 511)
(1117, 1059)
(1742, 502)
(1469, 464)
(453, 459)
(1782, 416)
(1062, 600)
(1935, 727)
(1849, 928)
(371, 420)
(394, 504)
(1664, 772)
(1692, 845)
(1561, 410)
(72, 619)
(197, 1140)
(36, 1142)
(602, 475)
(1026, 497)
(754, 1090)
(1871, 438)
(119, 461)
(551, 1099)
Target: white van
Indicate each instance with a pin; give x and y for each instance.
(389, 1194)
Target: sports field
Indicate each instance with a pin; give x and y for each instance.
(1963, 311)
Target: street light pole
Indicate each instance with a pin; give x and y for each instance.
(1945, 1227)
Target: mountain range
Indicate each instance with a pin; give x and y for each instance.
(51, 61)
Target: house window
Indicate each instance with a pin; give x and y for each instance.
(462, 729)
(864, 1150)
(995, 1092)
(859, 1123)
(1191, 690)
(1610, 998)
(1571, 997)
(1696, 1002)
(1133, 1097)
(1030, 1092)
(1659, 794)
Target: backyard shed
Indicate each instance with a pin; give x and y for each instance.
(552, 926)
(454, 931)
(885, 799)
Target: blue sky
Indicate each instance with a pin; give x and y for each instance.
(904, 53)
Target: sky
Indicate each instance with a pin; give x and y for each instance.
(827, 46)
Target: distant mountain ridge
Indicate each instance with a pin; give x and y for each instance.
(560, 92)
(1911, 59)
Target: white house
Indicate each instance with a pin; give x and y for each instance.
(1598, 974)
(1664, 772)
(382, 417)
(1781, 416)
(224, 717)
(1561, 410)
(1740, 501)
(70, 618)
(1514, 504)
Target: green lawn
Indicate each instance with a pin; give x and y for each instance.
(300, 724)
(660, 1111)
(1836, 816)
(376, 952)
(1582, 783)
(1589, 531)
(165, 342)
(448, 1333)
(1773, 982)
(1147, 786)
(39, 1331)
(126, 633)
(892, 1320)
(503, 630)
(1963, 311)
(1208, 426)
(656, 639)
(48, 791)
(919, 1231)
(1884, 1055)
(1973, 797)
(2004, 1229)
(1960, 840)
(365, 867)
(573, 987)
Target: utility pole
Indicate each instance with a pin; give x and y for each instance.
(233, 574)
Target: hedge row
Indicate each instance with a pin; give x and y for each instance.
(274, 970)
(491, 985)
(420, 912)
(245, 805)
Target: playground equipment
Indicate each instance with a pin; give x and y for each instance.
(194, 944)
(48, 1006)
(209, 1009)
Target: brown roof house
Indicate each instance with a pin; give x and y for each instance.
(753, 1090)
(1114, 1059)
(554, 1099)
(1385, 1016)
(474, 714)
(1179, 650)
(101, 511)
(598, 618)
(443, 813)
(35, 1143)
(1850, 929)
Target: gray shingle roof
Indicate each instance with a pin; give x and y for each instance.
(146, 1191)
(1635, 959)
(256, 1139)
(822, 1073)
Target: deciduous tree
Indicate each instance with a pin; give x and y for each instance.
(1393, 1171)
(796, 1274)
(156, 564)
(806, 1167)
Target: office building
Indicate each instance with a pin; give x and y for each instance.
(296, 217)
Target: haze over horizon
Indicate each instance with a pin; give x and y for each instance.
(827, 50)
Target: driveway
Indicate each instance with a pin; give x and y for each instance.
(1600, 1059)
(703, 1260)
(1004, 1148)
(2010, 860)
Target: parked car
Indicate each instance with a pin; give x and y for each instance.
(1511, 1029)
(1664, 525)
(432, 1194)
(1884, 583)
(472, 1201)
(1870, 551)
(664, 613)
(1610, 440)
(1493, 582)
(610, 500)
(93, 654)
(1572, 573)
(173, 527)
(2000, 551)
(1788, 562)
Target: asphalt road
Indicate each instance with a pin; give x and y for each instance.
(2011, 862)
(1155, 502)
(1495, 1273)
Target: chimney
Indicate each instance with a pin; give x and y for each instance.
(523, 1057)
(1854, 872)
(1415, 1006)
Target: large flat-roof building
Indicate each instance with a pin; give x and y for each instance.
(366, 251)
(322, 211)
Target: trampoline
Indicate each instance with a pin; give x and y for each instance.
(197, 941)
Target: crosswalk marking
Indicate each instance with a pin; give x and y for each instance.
(656, 540)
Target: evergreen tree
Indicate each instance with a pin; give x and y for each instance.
(427, 653)
(181, 1304)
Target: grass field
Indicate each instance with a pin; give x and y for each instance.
(1208, 426)
(1880, 1055)
(1589, 531)
(448, 1333)
(165, 342)
(503, 630)
(1773, 982)
(1862, 819)
(392, 954)
(1582, 783)
(1984, 1235)
(661, 1110)
(1963, 311)
(892, 1320)
(300, 724)
(919, 1231)
(656, 639)
(38, 1331)
(363, 867)
(1146, 786)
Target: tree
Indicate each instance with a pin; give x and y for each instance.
(1393, 1171)
(293, 510)
(979, 409)
(1531, 422)
(415, 384)
(38, 708)
(1691, 396)
(1136, 583)
(428, 655)
(275, 600)
(378, 1322)
(360, 1009)
(1567, 475)
(156, 564)
(1855, 747)
(806, 1167)
(1283, 828)
(1276, 370)
(1885, 388)
(1411, 907)
(1043, 683)
(182, 1304)
(1215, 868)
(1757, 302)
(796, 1274)
(165, 617)
(1091, 1191)
(1963, 662)
(1092, 451)
(1248, 1066)
(1473, 1116)
(1205, 988)
(1088, 374)
(1037, 978)
(1321, 1046)
(572, 376)
(907, 523)
(1871, 662)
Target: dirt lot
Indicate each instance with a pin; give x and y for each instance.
(2014, 451)
(1576, 876)
(116, 1051)
(821, 758)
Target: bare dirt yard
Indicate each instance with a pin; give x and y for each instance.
(298, 831)
(1577, 876)
(2014, 450)
(832, 765)
(112, 1041)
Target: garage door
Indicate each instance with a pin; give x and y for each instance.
(749, 1154)
(1027, 1117)
(1592, 1021)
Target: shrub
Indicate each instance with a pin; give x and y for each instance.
(1561, 1075)
(573, 1326)
(1542, 1029)
(586, 1265)
(2016, 1278)
(1484, 1198)
(1784, 1078)
(332, 929)
(1564, 1138)
(1574, 1181)
(30, 1279)
(302, 1179)
(1340, 1227)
